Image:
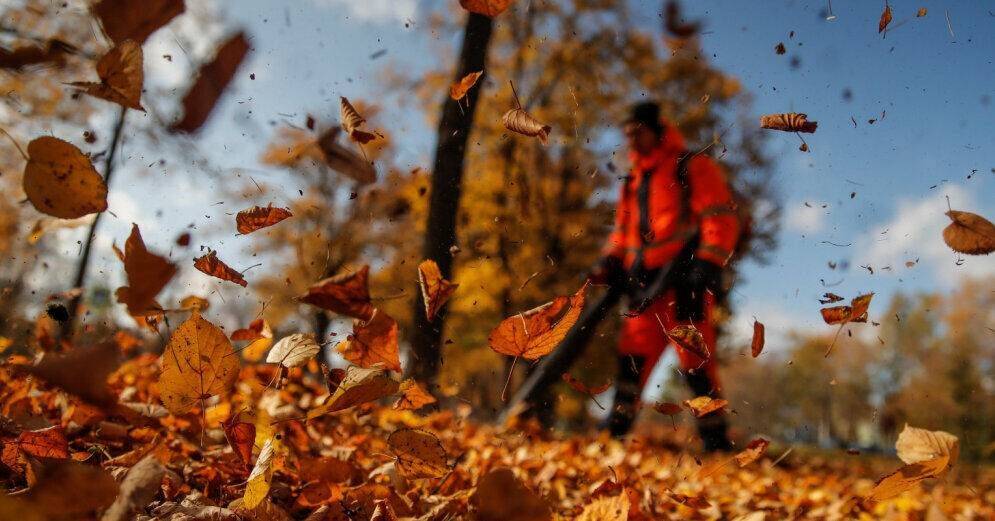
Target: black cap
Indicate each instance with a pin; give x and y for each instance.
(646, 113)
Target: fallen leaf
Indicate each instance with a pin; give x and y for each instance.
(257, 486)
(44, 443)
(757, 344)
(413, 396)
(754, 450)
(357, 387)
(198, 363)
(517, 120)
(128, 20)
(60, 181)
(373, 342)
(500, 496)
(121, 76)
(969, 233)
(241, 436)
(704, 405)
(535, 333)
(788, 122)
(351, 121)
(138, 489)
(64, 490)
(458, 90)
(264, 511)
(885, 19)
(347, 294)
(147, 274)
(294, 350)
(489, 8)
(435, 290)
(82, 372)
(689, 338)
(212, 80)
(907, 477)
(258, 217)
(607, 508)
(419, 453)
(917, 445)
(211, 265)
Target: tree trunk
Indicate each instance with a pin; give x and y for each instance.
(447, 177)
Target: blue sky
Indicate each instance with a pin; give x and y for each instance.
(933, 97)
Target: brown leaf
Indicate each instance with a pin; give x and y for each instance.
(917, 445)
(121, 76)
(489, 8)
(65, 490)
(343, 160)
(969, 233)
(435, 290)
(500, 496)
(779, 48)
(419, 453)
(921, 12)
(215, 267)
(704, 405)
(347, 294)
(53, 52)
(688, 337)
(138, 489)
(241, 436)
(674, 23)
(373, 342)
(198, 363)
(44, 443)
(351, 121)
(254, 331)
(413, 396)
(358, 387)
(885, 19)
(788, 122)
(211, 82)
(535, 333)
(82, 372)
(855, 312)
(581, 387)
(130, 20)
(695, 502)
(458, 90)
(517, 120)
(60, 181)
(147, 274)
(907, 477)
(667, 408)
(754, 450)
(757, 345)
(257, 218)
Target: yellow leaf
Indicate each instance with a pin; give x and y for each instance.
(198, 363)
(60, 181)
(257, 487)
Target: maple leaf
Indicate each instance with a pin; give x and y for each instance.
(198, 363)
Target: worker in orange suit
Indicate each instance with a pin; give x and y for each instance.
(675, 211)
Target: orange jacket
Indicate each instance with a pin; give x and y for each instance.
(651, 216)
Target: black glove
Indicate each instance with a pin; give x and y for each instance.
(702, 276)
(609, 270)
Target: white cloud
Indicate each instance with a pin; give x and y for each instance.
(916, 232)
(376, 11)
(806, 216)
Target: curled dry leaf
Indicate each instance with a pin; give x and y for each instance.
(535, 333)
(704, 405)
(917, 445)
(257, 487)
(294, 350)
(788, 122)
(458, 90)
(60, 180)
(413, 396)
(779, 48)
(347, 294)
(211, 265)
(357, 387)
(258, 217)
(921, 12)
(198, 363)
(907, 477)
(674, 23)
(757, 344)
(419, 453)
(689, 338)
(343, 160)
(489, 8)
(128, 20)
(147, 274)
(212, 80)
(517, 120)
(855, 312)
(607, 508)
(435, 290)
(885, 18)
(138, 489)
(969, 233)
(373, 342)
(241, 436)
(754, 450)
(121, 76)
(351, 121)
(500, 496)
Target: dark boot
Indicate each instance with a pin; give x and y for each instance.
(625, 406)
(712, 428)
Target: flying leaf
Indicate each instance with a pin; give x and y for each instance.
(917, 445)
(535, 333)
(253, 332)
(198, 363)
(435, 290)
(788, 122)
(667, 409)
(19, 57)
(343, 160)
(359, 386)
(60, 181)
(674, 23)
(500, 496)
(194, 303)
(351, 121)
(121, 76)
(607, 508)
(517, 120)
(754, 450)
(82, 372)
(260, 335)
(907, 477)
(138, 489)
(419, 453)
(147, 274)
(458, 90)
(704, 405)
(885, 19)
(257, 487)
(257, 218)
(969, 233)
(347, 294)
(690, 338)
(757, 345)
(921, 12)
(489, 8)
(855, 312)
(241, 436)
(128, 20)
(294, 350)
(413, 396)
(212, 80)
(211, 265)
(582, 388)
(373, 342)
